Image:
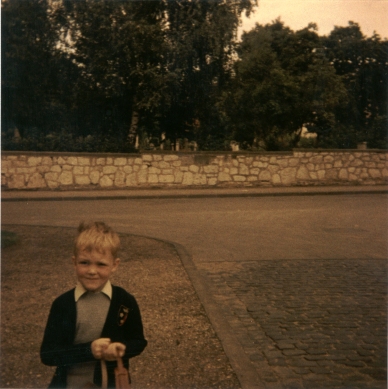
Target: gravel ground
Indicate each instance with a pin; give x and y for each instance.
(183, 350)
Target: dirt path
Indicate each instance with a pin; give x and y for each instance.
(183, 350)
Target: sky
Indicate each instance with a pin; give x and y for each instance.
(371, 15)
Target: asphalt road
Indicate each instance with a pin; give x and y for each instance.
(234, 229)
(295, 287)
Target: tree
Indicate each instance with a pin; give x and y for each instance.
(95, 66)
(29, 83)
(119, 48)
(162, 61)
(362, 63)
(201, 37)
(283, 81)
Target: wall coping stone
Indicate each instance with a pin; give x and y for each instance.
(340, 150)
(184, 152)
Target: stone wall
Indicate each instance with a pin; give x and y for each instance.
(32, 170)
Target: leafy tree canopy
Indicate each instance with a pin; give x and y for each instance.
(96, 72)
(283, 81)
(363, 65)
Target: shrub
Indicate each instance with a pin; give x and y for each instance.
(66, 142)
(8, 238)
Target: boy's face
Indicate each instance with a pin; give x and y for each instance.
(94, 269)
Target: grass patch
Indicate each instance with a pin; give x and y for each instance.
(8, 238)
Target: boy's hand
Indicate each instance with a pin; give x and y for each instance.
(113, 351)
(99, 346)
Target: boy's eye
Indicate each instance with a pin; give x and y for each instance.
(102, 264)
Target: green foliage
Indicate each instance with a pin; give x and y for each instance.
(201, 44)
(76, 75)
(214, 143)
(362, 64)
(282, 82)
(307, 143)
(340, 137)
(8, 238)
(28, 64)
(64, 141)
(92, 64)
(376, 135)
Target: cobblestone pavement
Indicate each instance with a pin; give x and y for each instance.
(308, 323)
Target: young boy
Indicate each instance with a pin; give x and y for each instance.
(95, 320)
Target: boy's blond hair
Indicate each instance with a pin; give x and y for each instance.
(96, 236)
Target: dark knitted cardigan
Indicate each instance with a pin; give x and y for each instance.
(123, 324)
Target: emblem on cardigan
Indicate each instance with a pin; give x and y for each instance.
(123, 314)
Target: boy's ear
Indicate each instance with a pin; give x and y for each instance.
(115, 264)
(73, 260)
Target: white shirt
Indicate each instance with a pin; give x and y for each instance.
(80, 290)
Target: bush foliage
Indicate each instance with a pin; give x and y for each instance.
(97, 75)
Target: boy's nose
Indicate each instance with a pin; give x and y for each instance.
(92, 270)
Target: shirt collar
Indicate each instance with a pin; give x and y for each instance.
(80, 290)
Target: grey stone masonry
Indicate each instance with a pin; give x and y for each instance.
(33, 170)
